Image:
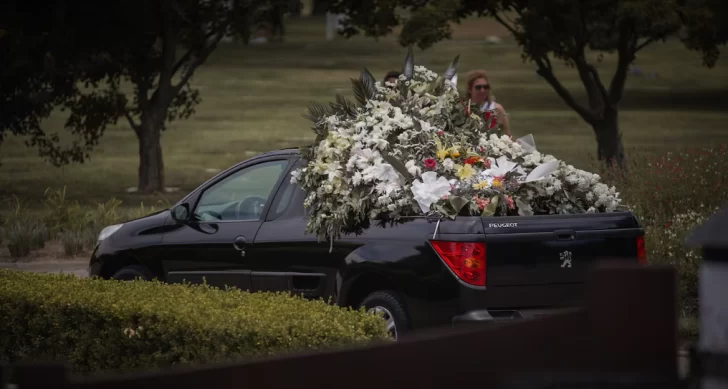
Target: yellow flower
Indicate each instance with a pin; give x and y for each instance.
(481, 185)
(466, 171)
(455, 153)
(497, 183)
(442, 154)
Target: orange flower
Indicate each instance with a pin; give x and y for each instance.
(473, 160)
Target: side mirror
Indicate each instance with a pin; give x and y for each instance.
(181, 213)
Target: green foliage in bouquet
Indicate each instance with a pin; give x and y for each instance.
(415, 148)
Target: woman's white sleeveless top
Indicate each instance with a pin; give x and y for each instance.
(488, 106)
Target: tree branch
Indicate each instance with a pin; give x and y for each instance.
(188, 55)
(545, 71)
(185, 58)
(592, 84)
(505, 24)
(627, 45)
(598, 81)
(645, 43)
(165, 91)
(130, 119)
(199, 60)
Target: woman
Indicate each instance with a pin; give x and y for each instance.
(480, 93)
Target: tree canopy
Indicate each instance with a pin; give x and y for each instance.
(562, 30)
(105, 61)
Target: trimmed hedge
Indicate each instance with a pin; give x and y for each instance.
(100, 325)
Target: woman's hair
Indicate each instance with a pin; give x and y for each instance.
(475, 75)
(392, 74)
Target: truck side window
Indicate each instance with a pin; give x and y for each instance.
(242, 195)
(282, 201)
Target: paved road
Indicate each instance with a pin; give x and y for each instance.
(76, 267)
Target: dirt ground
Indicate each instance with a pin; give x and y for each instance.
(50, 259)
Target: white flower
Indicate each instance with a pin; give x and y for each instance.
(502, 166)
(429, 190)
(388, 188)
(412, 167)
(333, 170)
(364, 158)
(448, 164)
(384, 200)
(356, 179)
(295, 176)
(532, 159)
(384, 172)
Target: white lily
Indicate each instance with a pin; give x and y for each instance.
(542, 171)
(429, 190)
(502, 166)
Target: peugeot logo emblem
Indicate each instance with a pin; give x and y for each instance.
(565, 258)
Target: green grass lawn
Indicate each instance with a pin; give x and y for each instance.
(254, 98)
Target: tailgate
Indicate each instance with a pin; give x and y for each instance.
(556, 249)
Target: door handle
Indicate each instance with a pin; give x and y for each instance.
(239, 243)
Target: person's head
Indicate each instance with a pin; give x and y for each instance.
(479, 88)
(391, 76)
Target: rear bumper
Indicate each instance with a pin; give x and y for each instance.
(484, 316)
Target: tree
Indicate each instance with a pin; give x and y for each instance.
(105, 61)
(562, 30)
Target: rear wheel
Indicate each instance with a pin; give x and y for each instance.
(130, 273)
(388, 305)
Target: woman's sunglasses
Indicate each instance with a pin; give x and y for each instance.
(482, 87)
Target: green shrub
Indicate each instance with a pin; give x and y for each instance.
(74, 241)
(666, 245)
(142, 211)
(672, 194)
(62, 213)
(23, 237)
(105, 214)
(102, 325)
(40, 235)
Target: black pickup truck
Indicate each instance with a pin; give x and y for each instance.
(246, 228)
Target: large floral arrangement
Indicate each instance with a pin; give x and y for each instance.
(414, 148)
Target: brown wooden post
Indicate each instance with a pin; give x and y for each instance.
(4, 370)
(633, 315)
(712, 237)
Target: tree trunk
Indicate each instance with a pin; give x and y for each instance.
(320, 7)
(609, 139)
(151, 166)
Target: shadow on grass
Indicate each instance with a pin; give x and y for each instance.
(674, 100)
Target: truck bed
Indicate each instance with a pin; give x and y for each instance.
(556, 249)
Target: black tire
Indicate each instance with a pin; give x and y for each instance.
(389, 303)
(130, 273)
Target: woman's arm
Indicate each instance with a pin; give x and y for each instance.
(503, 119)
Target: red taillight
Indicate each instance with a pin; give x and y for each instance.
(641, 251)
(465, 259)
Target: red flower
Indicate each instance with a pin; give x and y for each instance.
(487, 163)
(472, 160)
(441, 133)
(510, 202)
(430, 163)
